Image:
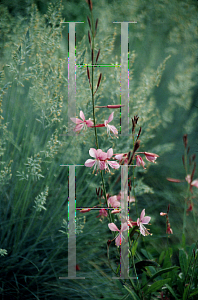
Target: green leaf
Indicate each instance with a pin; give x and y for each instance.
(134, 295)
(171, 290)
(185, 294)
(145, 263)
(134, 247)
(193, 294)
(161, 257)
(183, 240)
(163, 271)
(155, 286)
(183, 261)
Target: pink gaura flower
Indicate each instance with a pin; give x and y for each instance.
(122, 157)
(103, 213)
(109, 127)
(113, 201)
(143, 220)
(139, 161)
(119, 238)
(80, 124)
(151, 156)
(101, 160)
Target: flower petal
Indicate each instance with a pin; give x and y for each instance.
(89, 123)
(76, 120)
(119, 156)
(113, 164)
(118, 240)
(113, 201)
(142, 215)
(110, 117)
(113, 227)
(110, 153)
(146, 220)
(82, 115)
(102, 165)
(142, 230)
(90, 163)
(93, 152)
(78, 127)
(195, 183)
(113, 129)
(124, 226)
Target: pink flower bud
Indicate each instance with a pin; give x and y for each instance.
(151, 156)
(139, 161)
(163, 214)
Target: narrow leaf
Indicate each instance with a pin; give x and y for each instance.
(171, 291)
(135, 297)
(183, 261)
(155, 286)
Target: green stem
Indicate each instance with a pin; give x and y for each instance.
(134, 185)
(94, 119)
(188, 192)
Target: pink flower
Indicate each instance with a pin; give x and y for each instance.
(139, 161)
(113, 201)
(151, 156)
(101, 160)
(122, 157)
(81, 123)
(109, 127)
(112, 164)
(143, 220)
(103, 213)
(119, 237)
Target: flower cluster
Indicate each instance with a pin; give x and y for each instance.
(151, 157)
(105, 160)
(101, 160)
(140, 223)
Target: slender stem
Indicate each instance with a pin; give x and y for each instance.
(94, 118)
(188, 192)
(134, 184)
